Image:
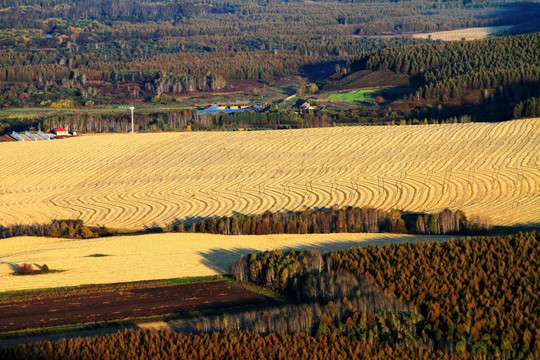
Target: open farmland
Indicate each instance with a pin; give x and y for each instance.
(491, 170)
(156, 256)
(459, 34)
(77, 309)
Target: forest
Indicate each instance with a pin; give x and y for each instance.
(506, 72)
(476, 295)
(227, 345)
(447, 70)
(51, 47)
(75, 55)
(461, 299)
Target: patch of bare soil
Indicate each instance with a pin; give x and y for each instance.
(6, 138)
(80, 309)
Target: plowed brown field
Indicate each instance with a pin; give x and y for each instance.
(135, 180)
(109, 306)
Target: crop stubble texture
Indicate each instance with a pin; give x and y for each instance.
(134, 180)
(157, 256)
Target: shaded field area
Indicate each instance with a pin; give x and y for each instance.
(367, 79)
(58, 311)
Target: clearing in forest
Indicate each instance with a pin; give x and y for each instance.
(130, 181)
(460, 34)
(354, 96)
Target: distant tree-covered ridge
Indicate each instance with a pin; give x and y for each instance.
(55, 48)
(509, 65)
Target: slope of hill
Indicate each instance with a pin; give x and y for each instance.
(133, 181)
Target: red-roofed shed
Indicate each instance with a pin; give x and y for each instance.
(61, 131)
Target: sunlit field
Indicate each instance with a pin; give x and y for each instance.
(132, 181)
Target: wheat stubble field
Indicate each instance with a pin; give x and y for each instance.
(157, 256)
(490, 170)
(459, 34)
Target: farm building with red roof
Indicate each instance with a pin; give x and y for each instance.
(61, 131)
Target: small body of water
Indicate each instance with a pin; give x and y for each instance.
(48, 35)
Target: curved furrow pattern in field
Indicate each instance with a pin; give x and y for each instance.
(136, 180)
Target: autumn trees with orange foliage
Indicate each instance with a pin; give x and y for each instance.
(336, 220)
(478, 295)
(146, 344)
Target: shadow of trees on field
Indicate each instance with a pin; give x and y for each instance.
(13, 266)
(221, 259)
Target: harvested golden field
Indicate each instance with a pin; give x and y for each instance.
(491, 170)
(467, 34)
(155, 256)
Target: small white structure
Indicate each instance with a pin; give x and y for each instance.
(16, 136)
(42, 135)
(132, 127)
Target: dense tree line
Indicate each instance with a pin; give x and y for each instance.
(477, 295)
(334, 220)
(83, 122)
(528, 108)
(71, 229)
(448, 70)
(330, 302)
(343, 318)
(273, 118)
(227, 345)
(323, 221)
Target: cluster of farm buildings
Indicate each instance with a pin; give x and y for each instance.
(39, 135)
(216, 109)
(303, 107)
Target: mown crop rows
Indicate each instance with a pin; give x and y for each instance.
(131, 181)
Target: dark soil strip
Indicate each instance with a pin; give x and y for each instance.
(80, 309)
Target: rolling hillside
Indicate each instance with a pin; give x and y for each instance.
(135, 180)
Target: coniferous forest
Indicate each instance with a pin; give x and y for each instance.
(464, 299)
(476, 295)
